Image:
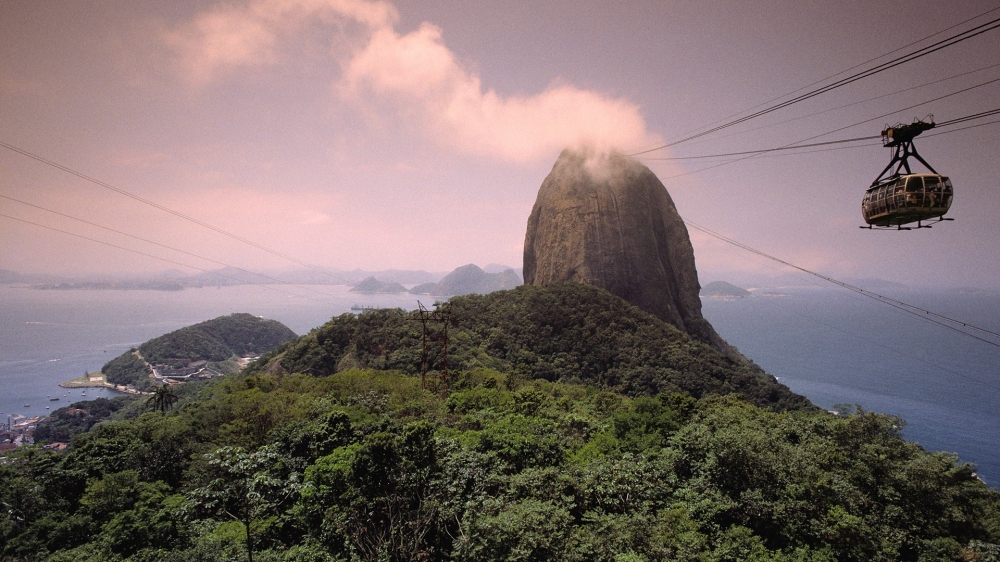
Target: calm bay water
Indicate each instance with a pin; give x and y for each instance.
(836, 347)
(47, 337)
(831, 346)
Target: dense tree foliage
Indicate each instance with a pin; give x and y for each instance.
(78, 417)
(574, 428)
(162, 399)
(128, 368)
(364, 465)
(567, 332)
(217, 340)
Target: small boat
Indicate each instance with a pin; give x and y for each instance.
(56, 399)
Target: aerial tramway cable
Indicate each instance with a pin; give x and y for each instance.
(168, 260)
(775, 153)
(792, 145)
(765, 150)
(914, 310)
(217, 262)
(870, 341)
(815, 113)
(842, 141)
(821, 80)
(923, 51)
(979, 115)
(166, 209)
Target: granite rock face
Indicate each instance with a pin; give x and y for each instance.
(610, 222)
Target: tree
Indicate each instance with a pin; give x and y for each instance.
(162, 399)
(247, 487)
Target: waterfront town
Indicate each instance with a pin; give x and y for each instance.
(18, 429)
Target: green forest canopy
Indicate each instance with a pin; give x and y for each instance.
(364, 465)
(567, 332)
(218, 339)
(518, 463)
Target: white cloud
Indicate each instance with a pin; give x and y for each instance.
(415, 76)
(229, 36)
(425, 82)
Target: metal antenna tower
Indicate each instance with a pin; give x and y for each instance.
(435, 345)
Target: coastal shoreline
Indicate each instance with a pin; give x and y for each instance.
(97, 380)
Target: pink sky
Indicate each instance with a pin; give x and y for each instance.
(415, 134)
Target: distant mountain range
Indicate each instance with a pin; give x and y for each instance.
(723, 289)
(470, 279)
(233, 276)
(465, 280)
(462, 281)
(9, 277)
(373, 285)
(174, 280)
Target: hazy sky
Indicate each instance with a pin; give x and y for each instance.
(415, 134)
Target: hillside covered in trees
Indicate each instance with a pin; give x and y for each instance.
(218, 339)
(215, 340)
(560, 437)
(567, 332)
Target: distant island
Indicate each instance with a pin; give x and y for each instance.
(373, 285)
(220, 346)
(175, 280)
(465, 280)
(470, 279)
(721, 289)
(110, 285)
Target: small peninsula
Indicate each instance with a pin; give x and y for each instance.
(723, 290)
(373, 285)
(470, 279)
(220, 346)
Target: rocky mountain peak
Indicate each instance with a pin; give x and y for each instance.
(609, 221)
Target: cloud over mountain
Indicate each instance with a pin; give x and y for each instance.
(413, 76)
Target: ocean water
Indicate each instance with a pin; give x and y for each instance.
(836, 347)
(830, 345)
(48, 337)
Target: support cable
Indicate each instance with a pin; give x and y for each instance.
(866, 341)
(867, 145)
(859, 65)
(953, 40)
(925, 314)
(842, 141)
(793, 144)
(815, 113)
(217, 262)
(39, 225)
(166, 209)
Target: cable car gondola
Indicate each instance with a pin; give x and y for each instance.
(899, 199)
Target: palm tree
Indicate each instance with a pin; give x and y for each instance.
(162, 399)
